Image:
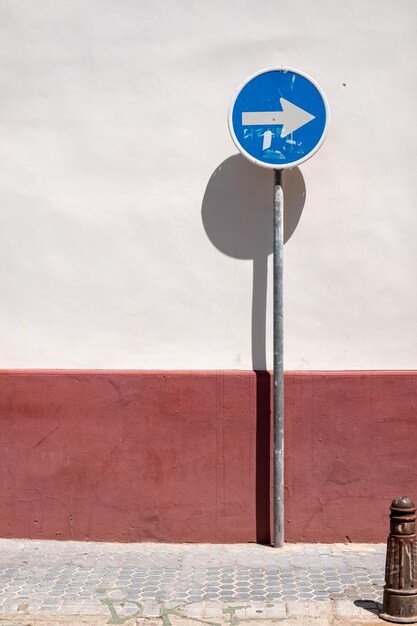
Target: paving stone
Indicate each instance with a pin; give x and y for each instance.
(277, 611)
(348, 609)
(311, 609)
(70, 608)
(261, 611)
(193, 610)
(151, 609)
(212, 609)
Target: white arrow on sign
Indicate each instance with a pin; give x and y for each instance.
(291, 117)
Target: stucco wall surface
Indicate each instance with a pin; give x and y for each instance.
(185, 456)
(132, 236)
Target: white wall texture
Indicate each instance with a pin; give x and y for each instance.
(113, 119)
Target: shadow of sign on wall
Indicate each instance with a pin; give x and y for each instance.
(237, 214)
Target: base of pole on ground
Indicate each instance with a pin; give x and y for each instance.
(398, 620)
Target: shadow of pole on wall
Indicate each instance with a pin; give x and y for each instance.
(237, 214)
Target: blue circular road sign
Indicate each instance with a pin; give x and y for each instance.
(278, 118)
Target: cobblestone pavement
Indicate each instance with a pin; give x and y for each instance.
(125, 583)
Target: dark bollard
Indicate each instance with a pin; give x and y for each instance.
(400, 590)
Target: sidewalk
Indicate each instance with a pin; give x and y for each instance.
(74, 583)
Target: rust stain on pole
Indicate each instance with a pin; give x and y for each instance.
(400, 590)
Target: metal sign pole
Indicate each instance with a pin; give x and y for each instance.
(266, 111)
(278, 315)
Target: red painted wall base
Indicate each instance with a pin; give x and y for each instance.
(185, 456)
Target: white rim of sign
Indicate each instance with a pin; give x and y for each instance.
(277, 166)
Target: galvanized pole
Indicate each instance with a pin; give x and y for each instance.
(278, 360)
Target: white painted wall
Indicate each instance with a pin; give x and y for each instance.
(113, 120)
